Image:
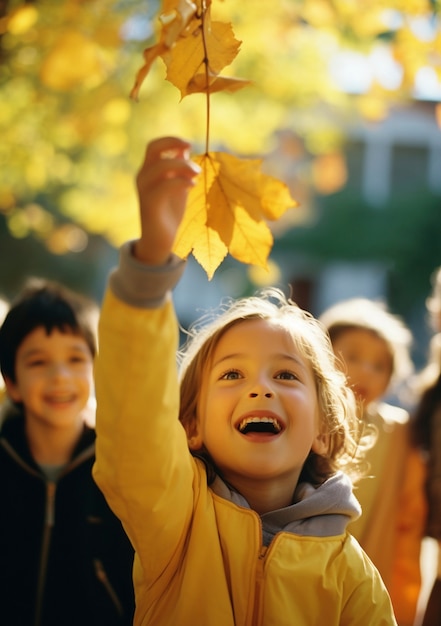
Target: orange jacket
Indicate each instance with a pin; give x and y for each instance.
(394, 506)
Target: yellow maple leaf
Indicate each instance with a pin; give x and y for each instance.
(227, 212)
(194, 49)
(228, 208)
(194, 235)
(203, 55)
(175, 17)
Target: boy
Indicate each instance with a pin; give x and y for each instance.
(65, 559)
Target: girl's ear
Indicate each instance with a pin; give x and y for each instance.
(12, 390)
(194, 438)
(195, 441)
(320, 445)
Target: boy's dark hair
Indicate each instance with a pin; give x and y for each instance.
(50, 305)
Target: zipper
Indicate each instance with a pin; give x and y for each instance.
(104, 579)
(49, 521)
(258, 585)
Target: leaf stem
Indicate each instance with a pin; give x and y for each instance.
(207, 76)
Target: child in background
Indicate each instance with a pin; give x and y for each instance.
(373, 346)
(238, 511)
(426, 427)
(65, 559)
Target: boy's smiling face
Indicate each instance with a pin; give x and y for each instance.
(258, 414)
(53, 377)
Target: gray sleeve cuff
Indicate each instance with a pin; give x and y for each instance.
(142, 285)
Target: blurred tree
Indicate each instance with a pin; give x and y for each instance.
(72, 138)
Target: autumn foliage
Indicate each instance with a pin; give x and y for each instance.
(72, 137)
(232, 200)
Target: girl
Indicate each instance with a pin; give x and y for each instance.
(249, 526)
(374, 347)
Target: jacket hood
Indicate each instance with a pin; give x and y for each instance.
(324, 511)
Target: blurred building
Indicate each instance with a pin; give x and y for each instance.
(379, 236)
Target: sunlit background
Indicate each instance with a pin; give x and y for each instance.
(343, 106)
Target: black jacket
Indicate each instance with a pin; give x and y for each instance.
(64, 557)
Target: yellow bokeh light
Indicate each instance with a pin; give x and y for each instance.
(117, 111)
(21, 20)
(265, 277)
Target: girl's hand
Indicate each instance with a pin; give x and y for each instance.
(163, 183)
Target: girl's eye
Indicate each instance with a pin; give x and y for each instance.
(286, 375)
(231, 375)
(78, 359)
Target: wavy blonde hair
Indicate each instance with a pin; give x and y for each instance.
(337, 403)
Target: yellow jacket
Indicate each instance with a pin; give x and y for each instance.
(199, 558)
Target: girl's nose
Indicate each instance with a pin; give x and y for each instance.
(266, 394)
(365, 370)
(260, 385)
(261, 388)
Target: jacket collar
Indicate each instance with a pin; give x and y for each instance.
(13, 439)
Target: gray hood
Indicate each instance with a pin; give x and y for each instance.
(324, 511)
